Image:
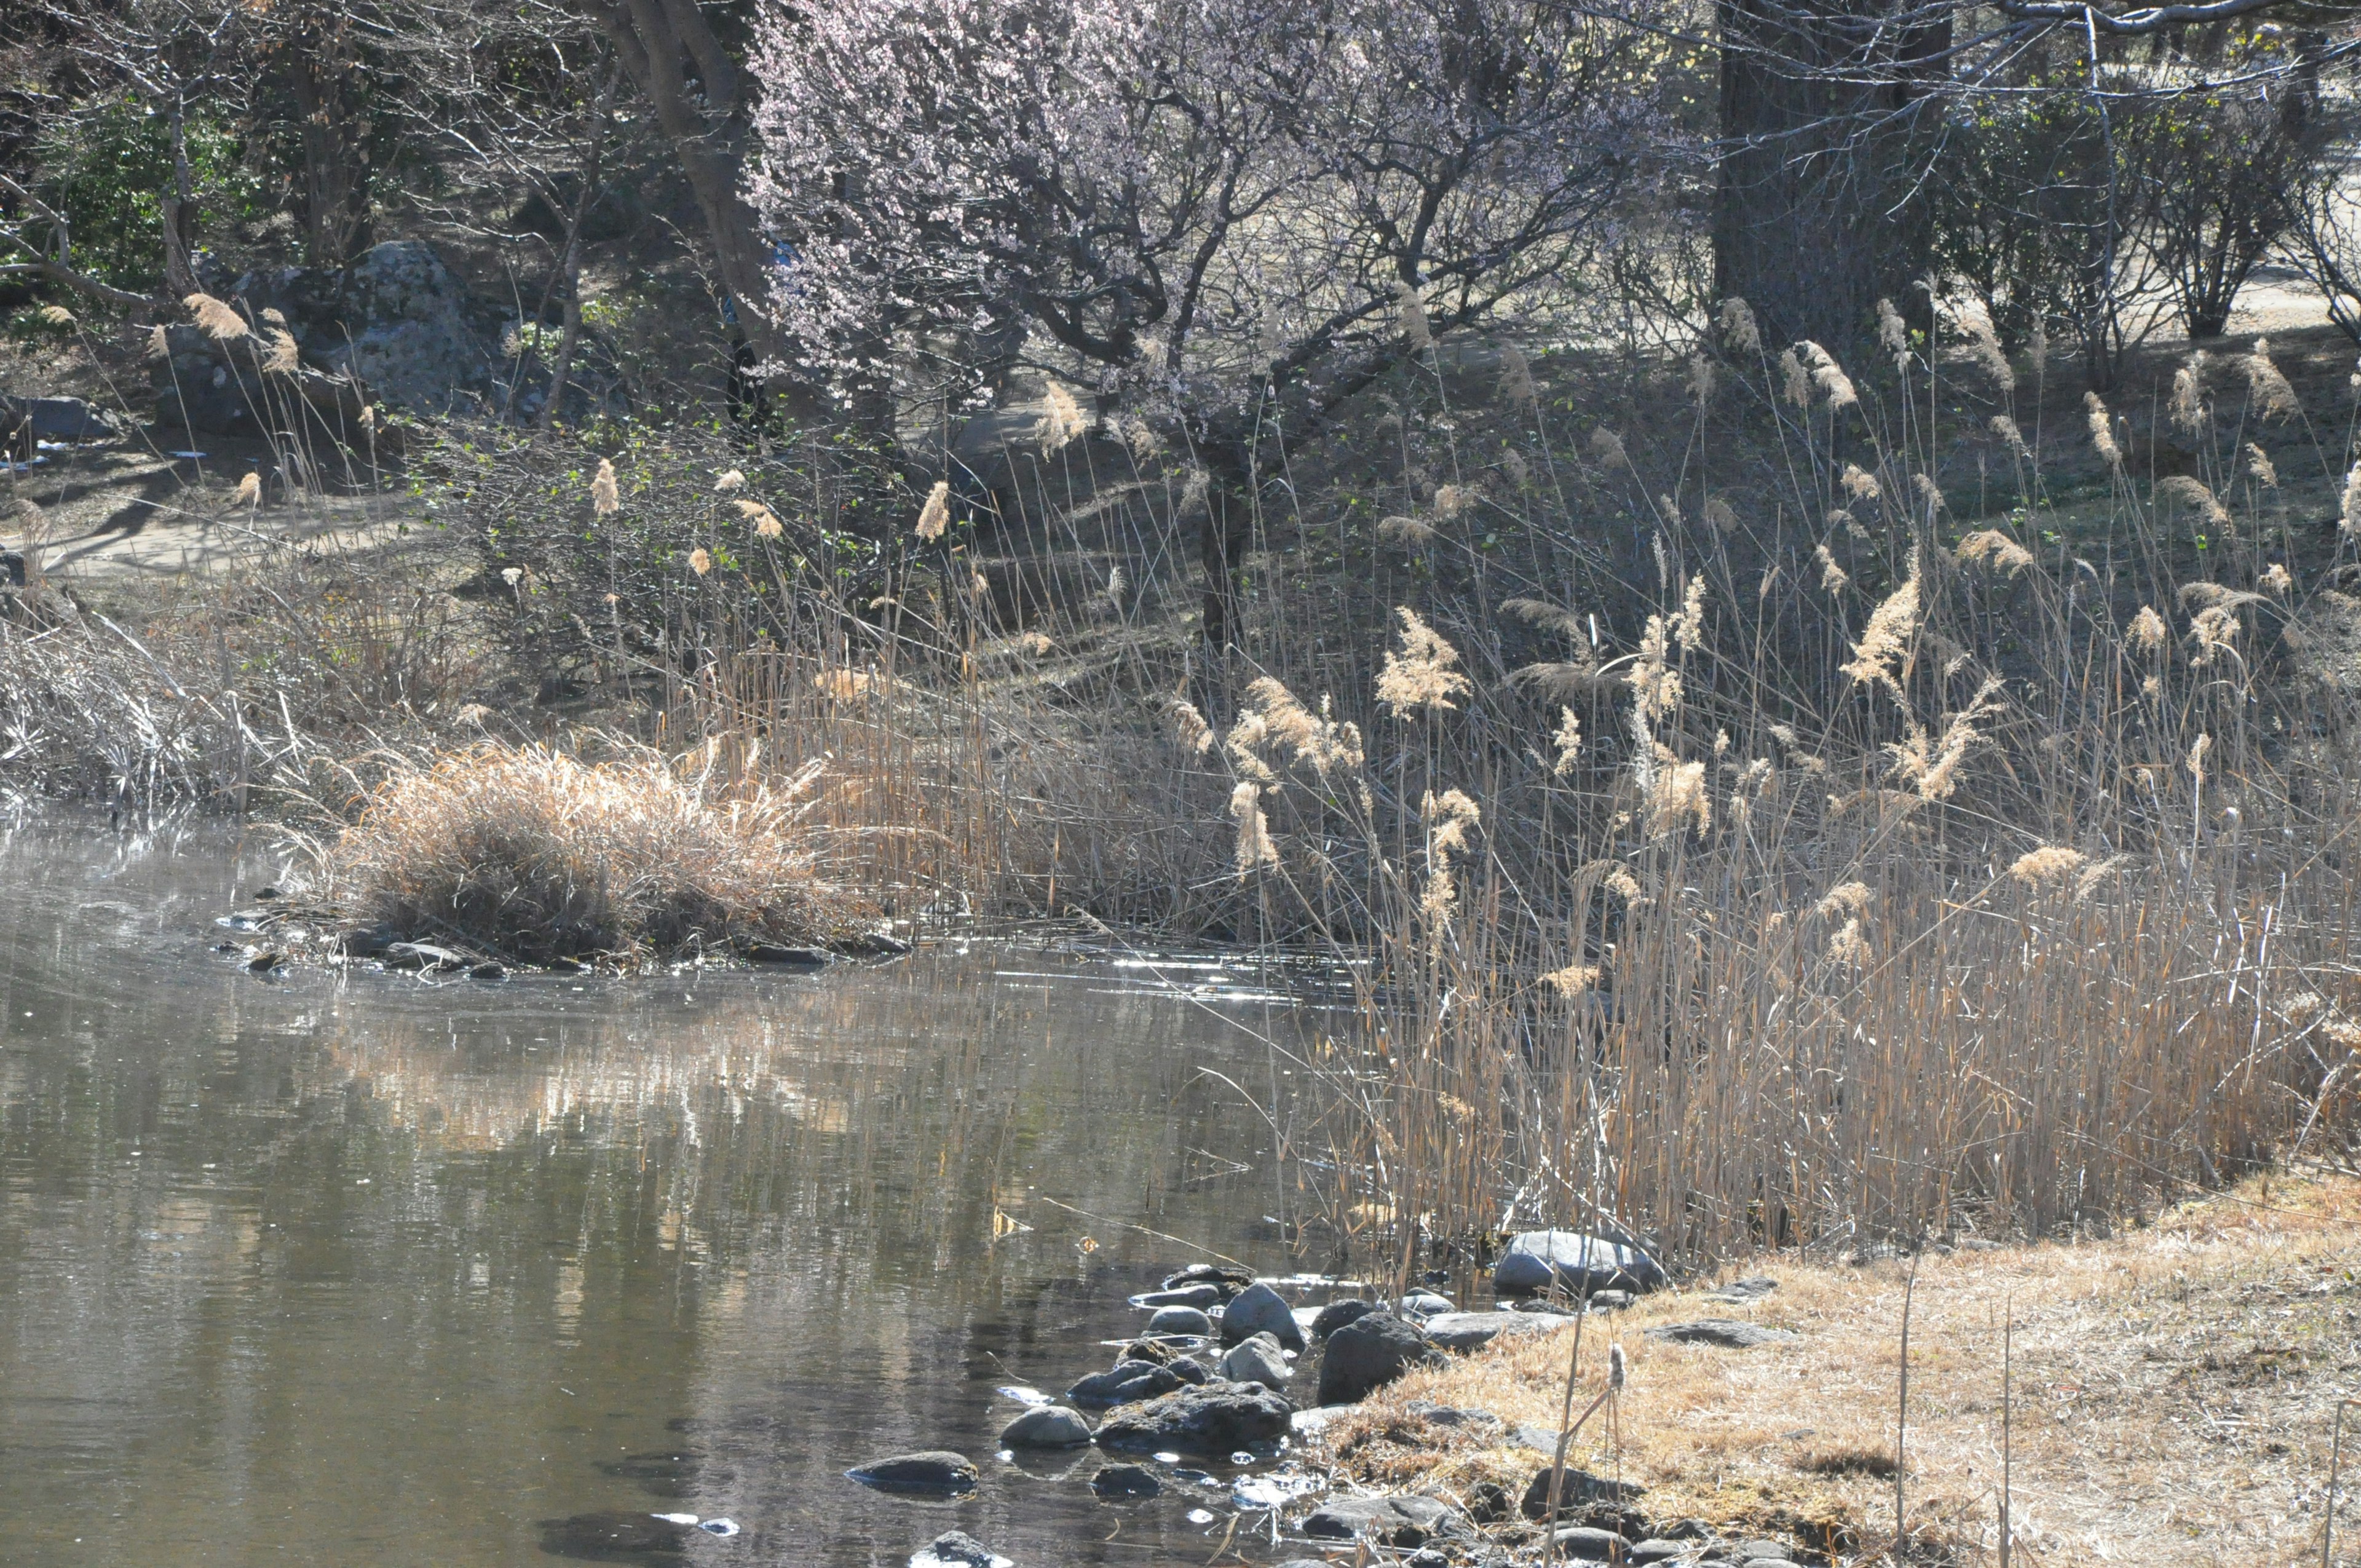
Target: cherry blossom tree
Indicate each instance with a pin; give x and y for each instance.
(1231, 214)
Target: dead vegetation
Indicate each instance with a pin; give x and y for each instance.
(536, 854)
(2172, 1394)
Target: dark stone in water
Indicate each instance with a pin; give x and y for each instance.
(1126, 1482)
(1198, 1296)
(773, 953)
(489, 972)
(936, 1472)
(1367, 1354)
(565, 966)
(1181, 1320)
(1230, 1277)
(1259, 1310)
(617, 1535)
(956, 1546)
(1129, 1381)
(1336, 1314)
(1220, 1418)
(263, 963)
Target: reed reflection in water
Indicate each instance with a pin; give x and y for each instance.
(356, 1270)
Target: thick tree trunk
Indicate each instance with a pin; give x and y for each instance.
(694, 88)
(1814, 216)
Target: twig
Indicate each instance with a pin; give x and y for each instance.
(1901, 1403)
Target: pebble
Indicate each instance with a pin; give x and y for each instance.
(1423, 1304)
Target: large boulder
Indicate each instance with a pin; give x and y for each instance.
(398, 319)
(1220, 1418)
(52, 419)
(1367, 1354)
(1580, 1263)
(1259, 1310)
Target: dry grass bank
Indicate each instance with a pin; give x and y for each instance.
(2172, 1392)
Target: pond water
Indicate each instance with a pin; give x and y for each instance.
(369, 1269)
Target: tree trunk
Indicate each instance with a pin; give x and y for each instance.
(663, 45)
(1815, 220)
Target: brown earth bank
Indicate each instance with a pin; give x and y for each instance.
(2168, 1395)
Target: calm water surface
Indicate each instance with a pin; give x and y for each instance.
(371, 1270)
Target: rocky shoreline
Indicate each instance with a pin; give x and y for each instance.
(1234, 1383)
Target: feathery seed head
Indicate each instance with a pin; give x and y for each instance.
(936, 515)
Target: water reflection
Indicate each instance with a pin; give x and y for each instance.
(378, 1270)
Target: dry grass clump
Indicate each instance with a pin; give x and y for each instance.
(2173, 1390)
(538, 854)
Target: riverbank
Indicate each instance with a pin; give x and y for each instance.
(2171, 1393)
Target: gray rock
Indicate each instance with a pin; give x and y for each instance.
(1423, 1304)
(1727, 1333)
(1656, 1549)
(1257, 1360)
(1611, 1300)
(1129, 1382)
(1437, 1415)
(1336, 1314)
(1760, 1550)
(1581, 1543)
(1369, 1353)
(1742, 1291)
(1045, 1426)
(1389, 1521)
(1220, 1418)
(1259, 1310)
(1198, 1296)
(1581, 1264)
(54, 419)
(1468, 1331)
(1581, 1489)
(936, 1470)
(1126, 1483)
(956, 1546)
(1179, 1320)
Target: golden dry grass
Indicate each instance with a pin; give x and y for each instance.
(536, 852)
(2173, 1394)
